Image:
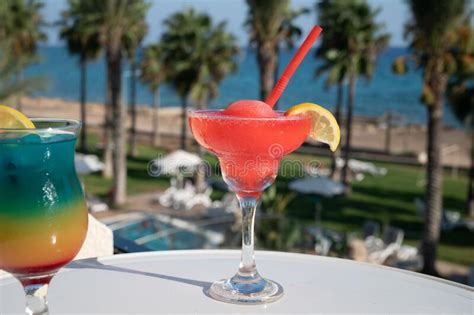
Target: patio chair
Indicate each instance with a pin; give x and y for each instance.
(95, 205)
(394, 236)
(230, 203)
(372, 243)
(389, 246)
(324, 239)
(370, 228)
(203, 199)
(449, 220)
(322, 246)
(181, 196)
(166, 199)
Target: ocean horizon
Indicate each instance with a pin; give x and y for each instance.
(385, 92)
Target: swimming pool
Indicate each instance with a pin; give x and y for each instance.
(159, 232)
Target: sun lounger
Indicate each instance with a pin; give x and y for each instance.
(450, 219)
(361, 167)
(370, 228)
(380, 250)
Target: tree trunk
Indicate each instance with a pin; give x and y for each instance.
(267, 62)
(347, 147)
(155, 136)
(434, 188)
(184, 123)
(470, 192)
(133, 111)
(114, 71)
(83, 89)
(108, 171)
(337, 115)
(275, 74)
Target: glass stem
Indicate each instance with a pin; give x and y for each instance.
(247, 267)
(36, 303)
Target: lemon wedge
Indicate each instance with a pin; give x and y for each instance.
(324, 127)
(12, 119)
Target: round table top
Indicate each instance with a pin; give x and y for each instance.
(176, 282)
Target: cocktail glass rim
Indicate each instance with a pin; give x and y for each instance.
(70, 124)
(281, 116)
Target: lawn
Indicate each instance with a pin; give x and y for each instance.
(388, 200)
(138, 180)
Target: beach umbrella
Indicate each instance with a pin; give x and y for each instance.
(175, 163)
(86, 164)
(321, 186)
(317, 187)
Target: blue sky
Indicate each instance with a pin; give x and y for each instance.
(393, 14)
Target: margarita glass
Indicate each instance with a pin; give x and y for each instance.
(249, 151)
(43, 214)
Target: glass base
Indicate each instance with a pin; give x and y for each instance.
(246, 290)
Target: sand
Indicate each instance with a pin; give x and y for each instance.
(368, 134)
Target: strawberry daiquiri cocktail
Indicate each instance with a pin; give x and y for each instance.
(249, 138)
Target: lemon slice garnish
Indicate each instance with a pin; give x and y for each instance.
(12, 119)
(324, 127)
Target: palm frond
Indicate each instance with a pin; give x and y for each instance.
(10, 84)
(196, 54)
(351, 41)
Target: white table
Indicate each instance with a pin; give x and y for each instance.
(175, 282)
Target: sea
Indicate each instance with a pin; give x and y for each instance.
(385, 92)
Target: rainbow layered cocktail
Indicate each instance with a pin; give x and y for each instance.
(43, 215)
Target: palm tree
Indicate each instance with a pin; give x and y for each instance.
(353, 42)
(197, 56)
(131, 45)
(430, 31)
(461, 94)
(10, 86)
(22, 30)
(271, 23)
(132, 107)
(117, 24)
(82, 40)
(333, 65)
(153, 73)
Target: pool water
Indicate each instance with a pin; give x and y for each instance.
(153, 234)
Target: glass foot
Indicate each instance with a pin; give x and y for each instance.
(246, 290)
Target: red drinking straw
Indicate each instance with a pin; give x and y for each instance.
(294, 63)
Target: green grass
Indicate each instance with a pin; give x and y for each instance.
(138, 180)
(388, 200)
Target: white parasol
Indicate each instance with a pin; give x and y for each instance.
(322, 186)
(174, 163)
(86, 164)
